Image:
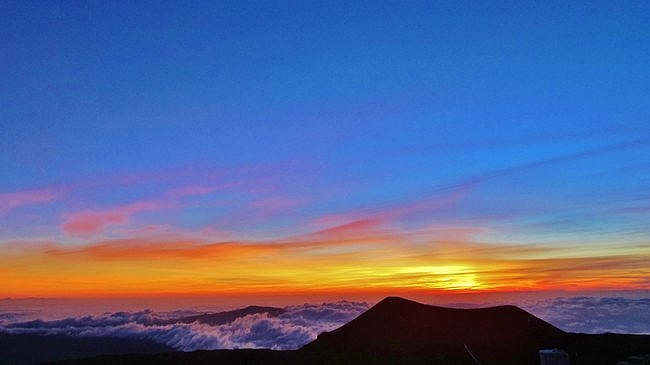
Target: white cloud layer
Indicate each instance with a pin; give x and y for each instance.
(301, 324)
(290, 330)
(595, 315)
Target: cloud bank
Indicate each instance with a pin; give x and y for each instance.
(595, 314)
(303, 323)
(290, 330)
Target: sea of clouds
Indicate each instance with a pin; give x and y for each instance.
(302, 324)
(290, 330)
(595, 314)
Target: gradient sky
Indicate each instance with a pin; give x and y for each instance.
(295, 147)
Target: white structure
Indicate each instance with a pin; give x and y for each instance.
(638, 360)
(553, 357)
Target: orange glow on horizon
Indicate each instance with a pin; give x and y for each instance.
(318, 264)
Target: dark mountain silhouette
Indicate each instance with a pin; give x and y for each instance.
(215, 319)
(397, 330)
(400, 331)
(26, 349)
(400, 328)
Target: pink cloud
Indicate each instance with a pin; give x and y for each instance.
(11, 201)
(356, 228)
(95, 221)
(338, 219)
(392, 213)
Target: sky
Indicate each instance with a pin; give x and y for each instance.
(323, 148)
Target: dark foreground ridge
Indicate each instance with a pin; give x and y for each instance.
(400, 331)
(24, 349)
(28, 349)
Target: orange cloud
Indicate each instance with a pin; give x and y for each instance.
(358, 256)
(390, 214)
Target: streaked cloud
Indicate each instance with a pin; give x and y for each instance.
(244, 235)
(14, 200)
(545, 162)
(360, 255)
(408, 156)
(89, 222)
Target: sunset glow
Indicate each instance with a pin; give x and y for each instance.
(365, 259)
(301, 149)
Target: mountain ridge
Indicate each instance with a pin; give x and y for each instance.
(397, 327)
(402, 331)
(224, 317)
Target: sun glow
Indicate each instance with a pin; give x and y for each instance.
(455, 277)
(302, 265)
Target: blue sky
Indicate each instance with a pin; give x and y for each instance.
(527, 119)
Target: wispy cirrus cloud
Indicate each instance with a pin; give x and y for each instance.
(360, 228)
(14, 200)
(360, 254)
(554, 160)
(394, 212)
(90, 222)
(384, 244)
